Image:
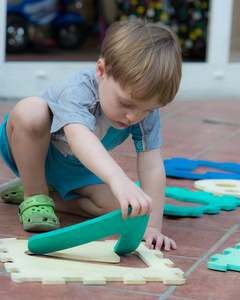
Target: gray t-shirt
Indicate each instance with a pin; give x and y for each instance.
(75, 100)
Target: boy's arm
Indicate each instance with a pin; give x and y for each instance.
(152, 179)
(90, 151)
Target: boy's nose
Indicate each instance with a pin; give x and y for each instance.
(132, 117)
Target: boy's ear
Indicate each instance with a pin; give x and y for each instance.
(100, 69)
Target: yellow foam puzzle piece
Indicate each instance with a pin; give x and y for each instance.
(219, 187)
(25, 267)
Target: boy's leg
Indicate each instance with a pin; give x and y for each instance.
(97, 200)
(28, 133)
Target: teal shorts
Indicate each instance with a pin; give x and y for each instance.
(64, 173)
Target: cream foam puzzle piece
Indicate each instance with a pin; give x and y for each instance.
(229, 260)
(26, 267)
(219, 186)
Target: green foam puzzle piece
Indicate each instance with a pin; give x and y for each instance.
(131, 233)
(229, 260)
(211, 204)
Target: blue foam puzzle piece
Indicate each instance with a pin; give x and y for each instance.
(229, 260)
(212, 204)
(183, 168)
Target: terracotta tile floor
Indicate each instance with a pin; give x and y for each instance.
(185, 134)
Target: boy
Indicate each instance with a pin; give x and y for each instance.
(62, 139)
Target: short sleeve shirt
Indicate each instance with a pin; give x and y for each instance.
(76, 100)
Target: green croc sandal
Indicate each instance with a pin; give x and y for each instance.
(37, 214)
(12, 191)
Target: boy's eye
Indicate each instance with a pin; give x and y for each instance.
(125, 104)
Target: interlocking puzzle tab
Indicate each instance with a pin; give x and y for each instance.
(229, 260)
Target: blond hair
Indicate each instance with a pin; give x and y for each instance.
(144, 56)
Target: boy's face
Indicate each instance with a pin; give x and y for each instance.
(117, 104)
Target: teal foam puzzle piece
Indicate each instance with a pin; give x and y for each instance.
(212, 204)
(131, 233)
(229, 260)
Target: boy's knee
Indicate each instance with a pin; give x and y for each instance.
(31, 115)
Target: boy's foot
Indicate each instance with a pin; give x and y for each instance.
(37, 214)
(12, 191)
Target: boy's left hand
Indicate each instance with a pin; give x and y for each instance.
(153, 236)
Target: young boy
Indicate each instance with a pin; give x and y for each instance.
(64, 137)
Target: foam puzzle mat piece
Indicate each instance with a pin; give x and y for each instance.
(183, 168)
(25, 267)
(131, 231)
(219, 186)
(229, 260)
(212, 204)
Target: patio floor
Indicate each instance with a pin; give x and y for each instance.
(187, 134)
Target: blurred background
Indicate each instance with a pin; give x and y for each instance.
(73, 30)
(44, 35)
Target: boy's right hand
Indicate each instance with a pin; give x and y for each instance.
(95, 157)
(128, 193)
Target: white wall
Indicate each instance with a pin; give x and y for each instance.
(217, 78)
(2, 32)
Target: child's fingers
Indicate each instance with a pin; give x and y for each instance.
(173, 244)
(141, 205)
(140, 202)
(124, 208)
(154, 237)
(145, 203)
(167, 242)
(149, 242)
(163, 242)
(139, 208)
(149, 204)
(136, 208)
(159, 242)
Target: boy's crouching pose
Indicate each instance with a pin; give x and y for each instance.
(59, 143)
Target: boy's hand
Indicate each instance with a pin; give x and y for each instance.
(153, 236)
(128, 193)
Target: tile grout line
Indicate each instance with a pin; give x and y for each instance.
(196, 264)
(125, 290)
(216, 144)
(214, 247)
(181, 298)
(176, 111)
